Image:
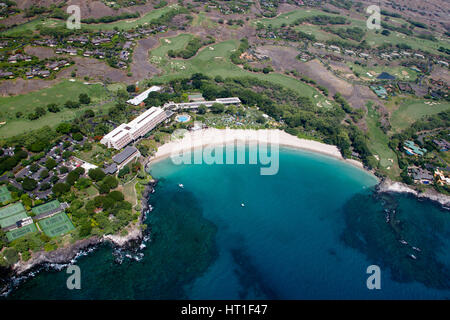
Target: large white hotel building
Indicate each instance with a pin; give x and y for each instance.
(139, 127)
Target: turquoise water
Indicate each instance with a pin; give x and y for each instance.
(309, 232)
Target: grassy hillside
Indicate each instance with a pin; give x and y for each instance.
(372, 37)
(378, 144)
(412, 110)
(58, 94)
(121, 25)
(214, 61)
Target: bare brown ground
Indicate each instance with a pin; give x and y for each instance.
(15, 19)
(284, 59)
(431, 12)
(89, 67)
(89, 8)
(20, 86)
(40, 52)
(440, 73)
(141, 67)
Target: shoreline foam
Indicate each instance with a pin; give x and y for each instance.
(194, 140)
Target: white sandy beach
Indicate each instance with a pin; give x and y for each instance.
(210, 137)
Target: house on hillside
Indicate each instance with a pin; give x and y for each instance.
(412, 149)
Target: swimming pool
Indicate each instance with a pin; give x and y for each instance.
(183, 118)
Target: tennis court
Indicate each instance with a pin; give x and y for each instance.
(56, 225)
(11, 210)
(46, 207)
(15, 234)
(9, 221)
(5, 195)
(11, 214)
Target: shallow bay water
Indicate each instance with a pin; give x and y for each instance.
(308, 232)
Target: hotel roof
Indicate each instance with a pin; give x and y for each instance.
(124, 155)
(118, 132)
(144, 95)
(112, 168)
(150, 113)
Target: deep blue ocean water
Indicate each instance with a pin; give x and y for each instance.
(309, 232)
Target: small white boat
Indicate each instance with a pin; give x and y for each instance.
(403, 242)
(242, 205)
(417, 249)
(413, 257)
(181, 185)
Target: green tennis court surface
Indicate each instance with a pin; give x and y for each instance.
(15, 234)
(11, 210)
(56, 225)
(9, 221)
(11, 214)
(5, 195)
(46, 207)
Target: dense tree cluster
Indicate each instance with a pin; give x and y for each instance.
(7, 163)
(322, 20)
(109, 19)
(354, 33)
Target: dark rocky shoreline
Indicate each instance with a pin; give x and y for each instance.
(389, 186)
(11, 277)
(42, 260)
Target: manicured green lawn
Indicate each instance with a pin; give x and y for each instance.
(58, 94)
(129, 191)
(201, 20)
(96, 156)
(320, 35)
(91, 191)
(214, 61)
(372, 38)
(412, 110)
(175, 43)
(31, 26)
(121, 24)
(401, 73)
(377, 39)
(291, 16)
(378, 144)
(132, 23)
(116, 87)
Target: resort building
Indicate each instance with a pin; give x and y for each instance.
(380, 91)
(139, 127)
(144, 95)
(412, 149)
(441, 179)
(110, 169)
(196, 104)
(126, 156)
(443, 145)
(422, 176)
(81, 163)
